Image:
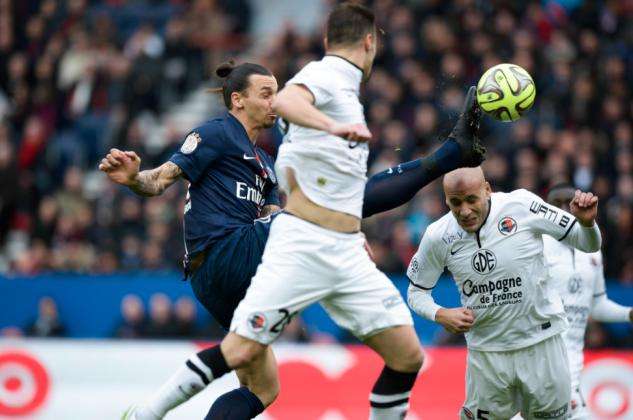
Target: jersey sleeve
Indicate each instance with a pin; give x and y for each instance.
(550, 220)
(197, 152)
(604, 309)
(599, 285)
(427, 265)
(317, 82)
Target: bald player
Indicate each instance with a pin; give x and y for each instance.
(512, 317)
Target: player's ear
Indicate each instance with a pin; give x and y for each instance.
(236, 100)
(368, 41)
(488, 189)
(325, 44)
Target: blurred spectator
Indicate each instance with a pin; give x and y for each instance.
(79, 78)
(133, 323)
(47, 323)
(160, 323)
(185, 318)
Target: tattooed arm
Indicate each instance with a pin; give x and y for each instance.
(123, 168)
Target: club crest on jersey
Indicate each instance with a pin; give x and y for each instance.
(257, 322)
(191, 143)
(484, 261)
(574, 285)
(507, 226)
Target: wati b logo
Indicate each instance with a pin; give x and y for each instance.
(484, 261)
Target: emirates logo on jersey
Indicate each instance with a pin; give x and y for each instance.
(484, 261)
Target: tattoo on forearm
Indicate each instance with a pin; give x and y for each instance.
(155, 181)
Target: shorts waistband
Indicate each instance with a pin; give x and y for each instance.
(318, 228)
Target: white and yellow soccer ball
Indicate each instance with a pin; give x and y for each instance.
(505, 92)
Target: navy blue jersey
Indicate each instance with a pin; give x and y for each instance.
(230, 181)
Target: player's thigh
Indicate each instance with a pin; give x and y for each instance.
(261, 377)
(367, 305)
(543, 371)
(399, 347)
(291, 276)
(489, 391)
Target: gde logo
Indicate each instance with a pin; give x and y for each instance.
(484, 261)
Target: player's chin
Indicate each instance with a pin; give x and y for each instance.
(470, 226)
(270, 121)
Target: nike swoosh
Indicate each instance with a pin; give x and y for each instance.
(246, 157)
(390, 170)
(457, 250)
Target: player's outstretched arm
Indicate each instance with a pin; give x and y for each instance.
(124, 168)
(578, 229)
(295, 104)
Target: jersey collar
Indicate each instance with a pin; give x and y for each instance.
(353, 74)
(237, 125)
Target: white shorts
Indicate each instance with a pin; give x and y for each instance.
(534, 381)
(304, 263)
(579, 410)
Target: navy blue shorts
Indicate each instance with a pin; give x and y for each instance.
(221, 281)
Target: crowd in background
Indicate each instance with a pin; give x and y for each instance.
(78, 77)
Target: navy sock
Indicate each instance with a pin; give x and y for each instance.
(391, 392)
(214, 358)
(239, 404)
(396, 186)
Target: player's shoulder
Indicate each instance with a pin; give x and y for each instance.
(210, 130)
(517, 200)
(444, 230)
(520, 195)
(313, 71)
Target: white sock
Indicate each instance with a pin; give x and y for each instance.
(389, 407)
(190, 379)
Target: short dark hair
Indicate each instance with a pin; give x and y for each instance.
(348, 23)
(236, 78)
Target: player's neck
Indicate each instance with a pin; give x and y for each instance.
(355, 56)
(252, 130)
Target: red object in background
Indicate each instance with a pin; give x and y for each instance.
(24, 383)
(307, 392)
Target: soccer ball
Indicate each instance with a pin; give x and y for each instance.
(505, 92)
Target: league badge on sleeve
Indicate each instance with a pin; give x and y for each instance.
(190, 144)
(507, 226)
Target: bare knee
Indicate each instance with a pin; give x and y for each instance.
(410, 360)
(239, 351)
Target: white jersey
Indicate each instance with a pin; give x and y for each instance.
(579, 279)
(500, 270)
(331, 171)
